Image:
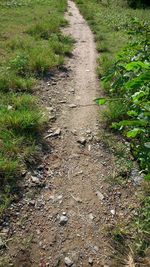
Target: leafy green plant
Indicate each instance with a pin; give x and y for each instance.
(138, 3)
(19, 64)
(129, 80)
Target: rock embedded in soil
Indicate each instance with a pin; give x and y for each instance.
(57, 132)
(32, 202)
(35, 180)
(72, 90)
(100, 195)
(68, 262)
(96, 249)
(90, 261)
(91, 217)
(81, 140)
(63, 220)
(113, 212)
(72, 106)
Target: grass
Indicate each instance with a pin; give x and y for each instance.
(109, 22)
(132, 239)
(21, 122)
(142, 224)
(122, 159)
(31, 44)
(128, 238)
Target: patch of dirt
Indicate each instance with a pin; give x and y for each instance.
(69, 217)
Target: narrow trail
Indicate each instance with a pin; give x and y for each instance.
(83, 65)
(69, 216)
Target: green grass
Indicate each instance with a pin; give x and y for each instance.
(21, 122)
(121, 158)
(108, 20)
(31, 43)
(142, 224)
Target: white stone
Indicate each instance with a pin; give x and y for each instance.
(68, 261)
(100, 195)
(63, 220)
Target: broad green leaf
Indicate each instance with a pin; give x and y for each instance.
(115, 125)
(132, 113)
(136, 65)
(138, 82)
(138, 95)
(100, 101)
(133, 133)
(132, 123)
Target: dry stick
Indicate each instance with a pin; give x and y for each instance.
(90, 105)
(87, 105)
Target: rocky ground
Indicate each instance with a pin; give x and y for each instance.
(67, 205)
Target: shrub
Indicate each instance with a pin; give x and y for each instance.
(138, 3)
(129, 80)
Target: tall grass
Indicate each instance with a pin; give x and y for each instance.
(109, 20)
(31, 43)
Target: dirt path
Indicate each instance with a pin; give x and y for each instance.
(83, 65)
(69, 216)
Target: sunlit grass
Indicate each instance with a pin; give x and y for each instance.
(108, 20)
(31, 43)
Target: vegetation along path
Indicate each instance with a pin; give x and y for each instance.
(65, 223)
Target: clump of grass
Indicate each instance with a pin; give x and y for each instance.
(122, 158)
(115, 111)
(45, 29)
(20, 42)
(142, 226)
(20, 121)
(42, 59)
(20, 124)
(110, 30)
(133, 237)
(11, 82)
(102, 47)
(61, 45)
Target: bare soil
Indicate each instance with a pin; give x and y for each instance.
(72, 174)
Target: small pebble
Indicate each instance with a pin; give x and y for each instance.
(63, 220)
(90, 261)
(81, 141)
(113, 212)
(68, 261)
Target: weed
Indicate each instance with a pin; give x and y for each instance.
(117, 110)
(142, 226)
